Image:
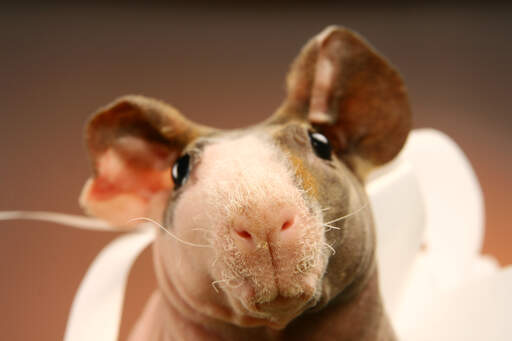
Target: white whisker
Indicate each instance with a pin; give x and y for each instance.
(329, 246)
(305, 191)
(214, 284)
(202, 230)
(347, 215)
(330, 227)
(227, 282)
(234, 286)
(215, 260)
(169, 232)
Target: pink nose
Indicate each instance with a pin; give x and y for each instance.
(278, 227)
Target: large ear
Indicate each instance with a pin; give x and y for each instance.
(351, 94)
(132, 143)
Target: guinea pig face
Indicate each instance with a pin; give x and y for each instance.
(268, 221)
(247, 197)
(260, 201)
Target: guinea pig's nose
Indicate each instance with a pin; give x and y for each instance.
(276, 227)
(244, 234)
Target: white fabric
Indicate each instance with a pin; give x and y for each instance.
(97, 308)
(446, 290)
(399, 212)
(428, 196)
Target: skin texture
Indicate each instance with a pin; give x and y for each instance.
(270, 241)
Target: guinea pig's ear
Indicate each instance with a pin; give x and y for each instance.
(133, 143)
(351, 94)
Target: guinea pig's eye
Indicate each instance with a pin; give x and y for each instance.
(180, 170)
(320, 145)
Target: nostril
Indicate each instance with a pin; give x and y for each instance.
(287, 224)
(244, 234)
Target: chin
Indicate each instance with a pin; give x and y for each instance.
(279, 307)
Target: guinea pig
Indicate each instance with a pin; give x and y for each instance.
(266, 230)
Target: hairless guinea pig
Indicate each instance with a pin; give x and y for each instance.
(273, 239)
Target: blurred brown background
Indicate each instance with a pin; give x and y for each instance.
(220, 65)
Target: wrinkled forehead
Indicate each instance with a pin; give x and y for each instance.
(244, 156)
(254, 147)
(272, 133)
(245, 160)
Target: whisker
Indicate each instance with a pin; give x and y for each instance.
(234, 286)
(209, 234)
(214, 284)
(226, 281)
(168, 232)
(347, 215)
(329, 246)
(330, 227)
(201, 229)
(305, 191)
(215, 260)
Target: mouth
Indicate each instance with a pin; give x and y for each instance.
(278, 309)
(282, 305)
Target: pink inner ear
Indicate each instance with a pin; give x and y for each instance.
(133, 180)
(116, 175)
(322, 88)
(326, 72)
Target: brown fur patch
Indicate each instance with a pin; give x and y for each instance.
(308, 180)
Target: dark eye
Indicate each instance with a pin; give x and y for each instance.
(320, 145)
(180, 170)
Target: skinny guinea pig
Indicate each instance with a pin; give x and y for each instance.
(273, 236)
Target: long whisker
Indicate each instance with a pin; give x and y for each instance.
(234, 285)
(214, 284)
(169, 232)
(226, 281)
(215, 260)
(203, 230)
(347, 215)
(329, 246)
(330, 227)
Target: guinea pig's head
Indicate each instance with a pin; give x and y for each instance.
(262, 223)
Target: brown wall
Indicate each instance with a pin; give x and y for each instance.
(223, 67)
